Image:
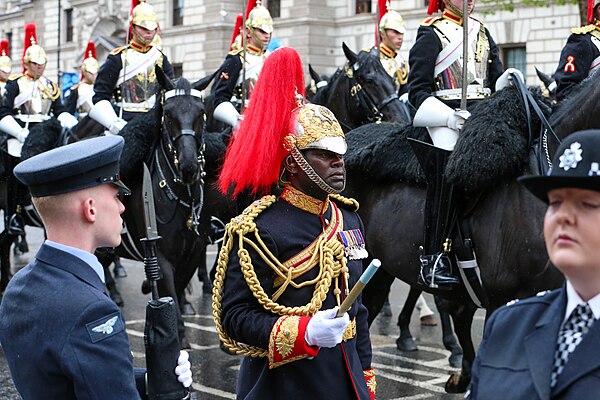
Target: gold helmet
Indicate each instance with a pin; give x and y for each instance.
(317, 128)
(90, 62)
(142, 14)
(33, 52)
(5, 61)
(391, 20)
(259, 17)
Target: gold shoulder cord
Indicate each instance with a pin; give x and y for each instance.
(483, 45)
(346, 200)
(242, 228)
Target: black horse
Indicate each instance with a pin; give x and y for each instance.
(504, 220)
(361, 92)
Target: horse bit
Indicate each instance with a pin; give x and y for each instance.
(357, 92)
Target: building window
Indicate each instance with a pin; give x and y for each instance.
(69, 25)
(514, 56)
(274, 7)
(177, 12)
(363, 6)
(177, 70)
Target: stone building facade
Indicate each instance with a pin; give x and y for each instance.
(196, 33)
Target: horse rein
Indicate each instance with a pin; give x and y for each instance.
(363, 98)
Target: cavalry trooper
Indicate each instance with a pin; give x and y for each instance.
(391, 37)
(288, 262)
(127, 78)
(30, 98)
(5, 65)
(237, 75)
(80, 97)
(581, 55)
(434, 82)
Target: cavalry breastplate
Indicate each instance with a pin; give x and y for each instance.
(85, 92)
(138, 79)
(253, 63)
(396, 67)
(448, 73)
(35, 98)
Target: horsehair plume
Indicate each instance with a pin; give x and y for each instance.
(249, 7)
(382, 6)
(254, 157)
(30, 38)
(237, 30)
(4, 48)
(90, 51)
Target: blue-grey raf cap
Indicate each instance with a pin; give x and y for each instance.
(76, 166)
(576, 164)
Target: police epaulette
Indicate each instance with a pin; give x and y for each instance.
(583, 29)
(346, 201)
(429, 21)
(118, 50)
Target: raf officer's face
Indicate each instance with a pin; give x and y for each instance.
(573, 238)
(108, 215)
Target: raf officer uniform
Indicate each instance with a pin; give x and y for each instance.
(62, 335)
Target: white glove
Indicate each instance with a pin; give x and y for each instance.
(116, 126)
(67, 120)
(184, 369)
(10, 125)
(325, 330)
(22, 135)
(506, 79)
(226, 112)
(457, 119)
(104, 113)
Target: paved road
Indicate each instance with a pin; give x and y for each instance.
(400, 376)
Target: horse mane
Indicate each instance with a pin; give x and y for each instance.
(576, 95)
(141, 135)
(488, 150)
(183, 84)
(42, 137)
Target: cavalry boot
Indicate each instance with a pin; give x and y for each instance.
(436, 267)
(16, 225)
(469, 270)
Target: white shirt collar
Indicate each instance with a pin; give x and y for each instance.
(83, 255)
(573, 300)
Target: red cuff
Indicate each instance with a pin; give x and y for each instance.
(287, 343)
(371, 383)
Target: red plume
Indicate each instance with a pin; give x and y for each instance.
(30, 38)
(90, 51)
(254, 157)
(251, 5)
(590, 12)
(434, 6)
(382, 6)
(4, 48)
(236, 29)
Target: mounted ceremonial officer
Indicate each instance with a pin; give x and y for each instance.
(391, 36)
(237, 75)
(80, 96)
(435, 90)
(30, 98)
(127, 78)
(287, 262)
(580, 57)
(5, 65)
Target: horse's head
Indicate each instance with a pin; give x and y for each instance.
(183, 124)
(317, 86)
(548, 84)
(372, 88)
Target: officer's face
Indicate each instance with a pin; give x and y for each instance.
(108, 215)
(259, 38)
(89, 77)
(329, 166)
(35, 70)
(459, 4)
(4, 76)
(144, 34)
(572, 236)
(393, 39)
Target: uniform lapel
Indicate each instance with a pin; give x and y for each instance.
(68, 262)
(583, 360)
(540, 345)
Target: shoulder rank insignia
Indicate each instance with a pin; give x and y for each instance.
(105, 327)
(118, 50)
(583, 29)
(430, 20)
(354, 244)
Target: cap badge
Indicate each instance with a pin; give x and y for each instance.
(571, 157)
(107, 327)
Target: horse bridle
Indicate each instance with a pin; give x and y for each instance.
(361, 97)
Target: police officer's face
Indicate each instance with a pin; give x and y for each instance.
(35, 70)
(259, 38)
(393, 39)
(329, 166)
(572, 236)
(108, 215)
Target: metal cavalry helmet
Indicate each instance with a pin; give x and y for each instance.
(90, 60)
(259, 17)
(32, 51)
(390, 19)
(143, 14)
(5, 61)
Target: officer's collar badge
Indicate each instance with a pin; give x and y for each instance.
(354, 244)
(571, 157)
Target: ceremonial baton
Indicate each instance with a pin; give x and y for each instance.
(160, 333)
(358, 287)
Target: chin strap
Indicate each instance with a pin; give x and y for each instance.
(312, 174)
